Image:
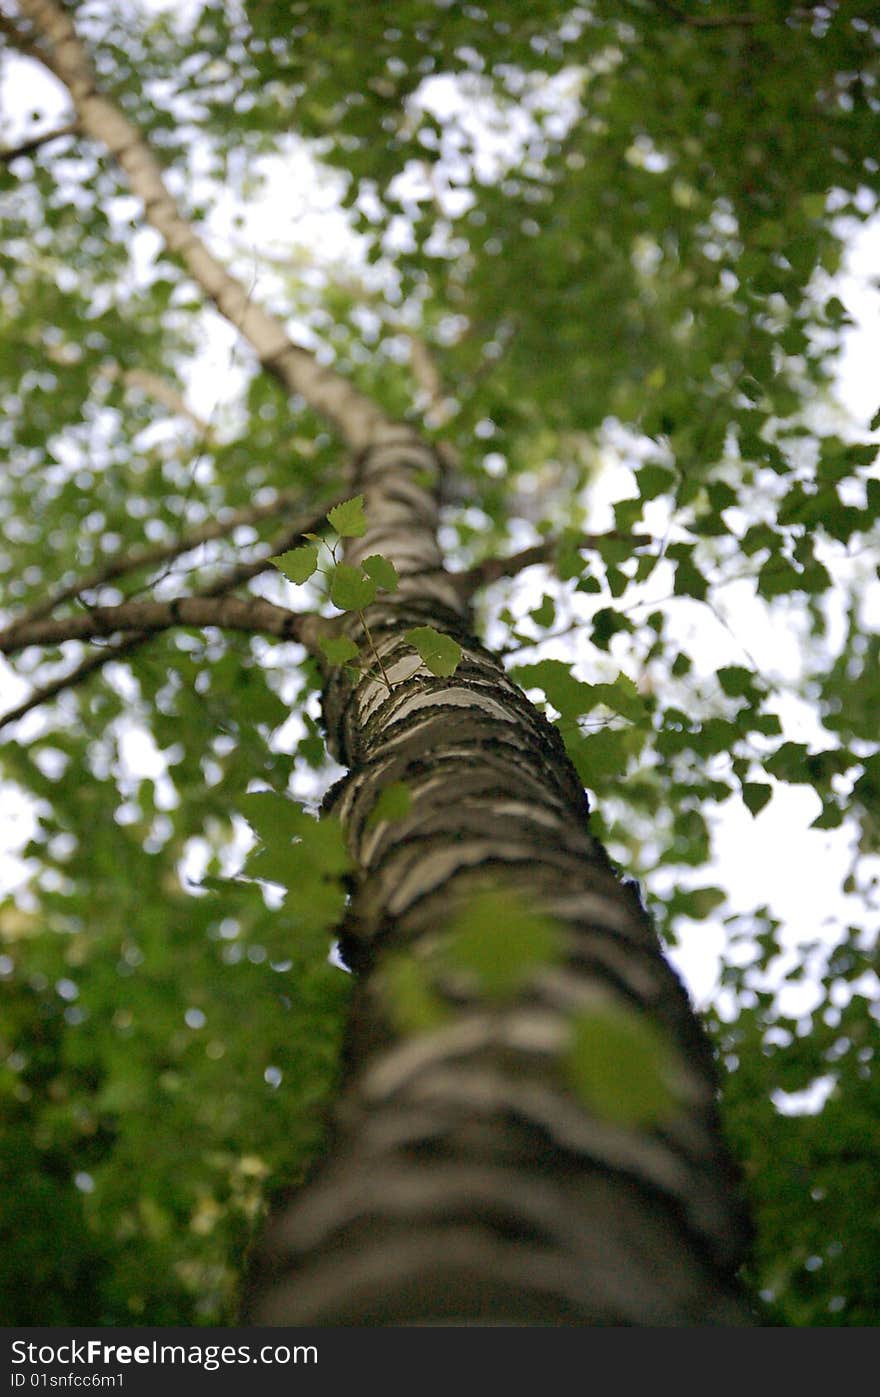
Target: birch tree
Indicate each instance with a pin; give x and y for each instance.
(525, 1127)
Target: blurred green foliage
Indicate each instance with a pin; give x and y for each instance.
(574, 232)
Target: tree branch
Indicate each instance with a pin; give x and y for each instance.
(163, 392)
(92, 664)
(493, 569)
(429, 381)
(228, 613)
(358, 418)
(28, 147)
(165, 552)
(24, 43)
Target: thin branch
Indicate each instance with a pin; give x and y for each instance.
(493, 569)
(437, 403)
(92, 664)
(163, 392)
(425, 370)
(28, 147)
(227, 613)
(243, 572)
(357, 417)
(24, 43)
(503, 337)
(152, 557)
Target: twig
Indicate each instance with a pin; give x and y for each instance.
(161, 553)
(161, 391)
(570, 629)
(493, 569)
(243, 572)
(28, 147)
(21, 41)
(92, 664)
(377, 657)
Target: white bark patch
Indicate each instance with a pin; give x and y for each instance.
(455, 698)
(572, 990)
(435, 586)
(593, 909)
(532, 814)
(434, 868)
(409, 1058)
(616, 1147)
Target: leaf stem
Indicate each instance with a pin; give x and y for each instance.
(378, 658)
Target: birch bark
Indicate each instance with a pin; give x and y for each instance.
(468, 1183)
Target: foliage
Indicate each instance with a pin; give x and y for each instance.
(573, 235)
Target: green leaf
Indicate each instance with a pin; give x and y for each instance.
(696, 903)
(569, 696)
(348, 518)
(621, 697)
(830, 816)
(393, 804)
(545, 614)
(778, 577)
(440, 653)
(382, 571)
(736, 681)
(606, 624)
(298, 564)
(293, 838)
(324, 844)
(568, 561)
(689, 580)
(766, 723)
(789, 763)
(413, 1004)
(312, 747)
(601, 757)
(502, 942)
(721, 495)
(572, 698)
(653, 480)
(338, 649)
(350, 589)
(274, 818)
(621, 1067)
(756, 794)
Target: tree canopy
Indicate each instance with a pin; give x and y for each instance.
(574, 244)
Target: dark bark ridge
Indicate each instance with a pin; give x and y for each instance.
(467, 1183)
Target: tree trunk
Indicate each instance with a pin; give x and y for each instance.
(468, 1182)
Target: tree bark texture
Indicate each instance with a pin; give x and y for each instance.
(466, 1182)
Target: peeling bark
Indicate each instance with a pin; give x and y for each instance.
(467, 1182)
